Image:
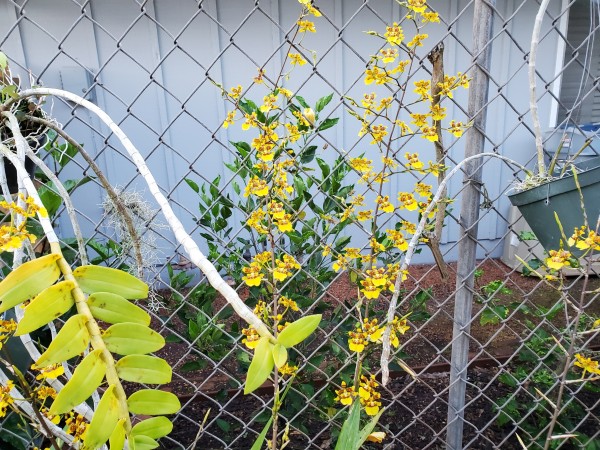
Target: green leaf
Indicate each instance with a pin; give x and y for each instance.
(113, 308)
(243, 148)
(153, 402)
(193, 185)
(50, 199)
(132, 338)
(3, 61)
(325, 169)
(72, 339)
(308, 154)
(28, 280)
(51, 303)
(71, 185)
(299, 186)
(493, 315)
(323, 102)
(263, 434)
(144, 443)
(93, 279)
(527, 236)
(223, 425)
(367, 430)
(299, 330)
(261, 365)
(144, 369)
(155, 427)
(328, 123)
(85, 380)
(350, 429)
(105, 420)
(280, 355)
(117, 437)
(302, 101)
(63, 154)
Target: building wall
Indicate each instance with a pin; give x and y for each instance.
(147, 66)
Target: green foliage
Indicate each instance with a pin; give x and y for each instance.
(195, 309)
(495, 309)
(37, 279)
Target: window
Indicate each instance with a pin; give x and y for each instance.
(580, 89)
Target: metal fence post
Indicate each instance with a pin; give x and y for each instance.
(469, 216)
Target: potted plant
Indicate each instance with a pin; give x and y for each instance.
(542, 197)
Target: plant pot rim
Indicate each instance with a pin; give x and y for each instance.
(557, 186)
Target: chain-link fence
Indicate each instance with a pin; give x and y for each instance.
(488, 359)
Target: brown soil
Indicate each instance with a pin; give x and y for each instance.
(418, 417)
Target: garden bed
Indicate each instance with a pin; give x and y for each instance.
(417, 416)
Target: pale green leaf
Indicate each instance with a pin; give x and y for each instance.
(261, 365)
(297, 331)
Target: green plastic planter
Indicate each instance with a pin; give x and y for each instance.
(561, 196)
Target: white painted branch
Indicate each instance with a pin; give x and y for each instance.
(21, 146)
(62, 191)
(186, 241)
(3, 181)
(535, 40)
(412, 246)
(31, 190)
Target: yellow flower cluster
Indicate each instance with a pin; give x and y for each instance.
(580, 240)
(368, 331)
(251, 337)
(261, 265)
(5, 398)
(6, 328)
(30, 210)
(52, 371)
(11, 236)
(345, 395)
(587, 364)
(557, 259)
(288, 369)
(76, 426)
(369, 397)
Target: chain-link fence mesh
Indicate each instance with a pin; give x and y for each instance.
(155, 68)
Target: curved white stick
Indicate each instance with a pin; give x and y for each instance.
(412, 246)
(191, 248)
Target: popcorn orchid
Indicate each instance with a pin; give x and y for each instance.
(407, 201)
(251, 337)
(388, 55)
(397, 239)
(417, 40)
(252, 274)
(557, 259)
(306, 26)
(587, 364)
(345, 395)
(417, 6)
(230, 119)
(257, 187)
(296, 59)
(236, 92)
(52, 371)
(357, 340)
(377, 76)
(369, 289)
(362, 165)
(5, 398)
(394, 34)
